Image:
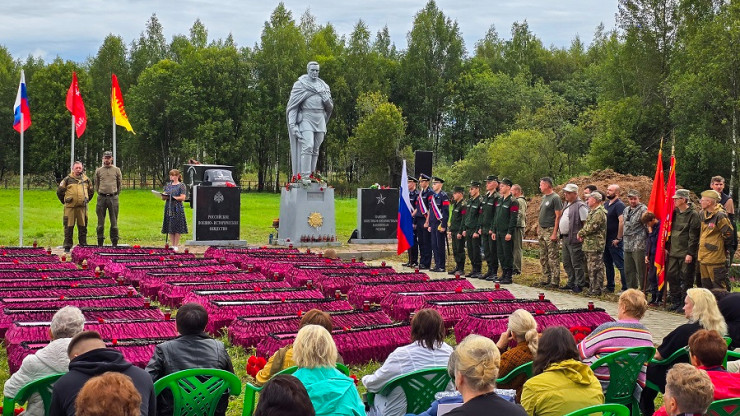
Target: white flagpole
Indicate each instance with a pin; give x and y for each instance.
(113, 117)
(72, 154)
(20, 238)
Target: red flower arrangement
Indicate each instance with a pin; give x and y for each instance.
(255, 364)
(579, 332)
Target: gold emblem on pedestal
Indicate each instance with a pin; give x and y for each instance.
(315, 220)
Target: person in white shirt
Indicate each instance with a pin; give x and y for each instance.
(427, 350)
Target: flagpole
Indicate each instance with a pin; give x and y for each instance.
(72, 154)
(20, 237)
(113, 117)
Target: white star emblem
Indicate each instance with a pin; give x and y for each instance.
(381, 199)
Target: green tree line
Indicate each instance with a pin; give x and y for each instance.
(507, 105)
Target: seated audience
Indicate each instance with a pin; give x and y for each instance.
(427, 350)
(110, 394)
(88, 358)
(475, 363)
(729, 307)
(284, 395)
(283, 358)
(192, 349)
(700, 308)
(52, 359)
(707, 350)
(523, 329)
(331, 392)
(688, 391)
(626, 332)
(560, 384)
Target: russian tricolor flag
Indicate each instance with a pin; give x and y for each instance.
(20, 109)
(405, 227)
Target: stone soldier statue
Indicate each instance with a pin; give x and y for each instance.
(107, 186)
(309, 108)
(75, 191)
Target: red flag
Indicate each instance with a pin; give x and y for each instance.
(665, 224)
(657, 195)
(76, 106)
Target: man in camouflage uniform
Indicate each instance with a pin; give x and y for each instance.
(506, 211)
(593, 236)
(521, 225)
(634, 241)
(457, 211)
(75, 191)
(714, 242)
(485, 227)
(547, 233)
(470, 232)
(683, 246)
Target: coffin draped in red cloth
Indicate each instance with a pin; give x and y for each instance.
(45, 274)
(151, 283)
(399, 305)
(80, 253)
(375, 292)
(453, 311)
(36, 267)
(172, 294)
(133, 275)
(117, 266)
(329, 283)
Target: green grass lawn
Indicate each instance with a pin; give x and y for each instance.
(140, 217)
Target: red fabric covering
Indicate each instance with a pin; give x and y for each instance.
(375, 292)
(172, 293)
(399, 305)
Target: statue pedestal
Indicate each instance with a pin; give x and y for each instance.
(307, 215)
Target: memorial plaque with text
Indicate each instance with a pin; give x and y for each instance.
(378, 214)
(217, 214)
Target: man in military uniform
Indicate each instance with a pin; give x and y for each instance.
(421, 221)
(714, 242)
(485, 227)
(506, 211)
(470, 230)
(718, 184)
(551, 208)
(521, 225)
(107, 186)
(457, 211)
(593, 236)
(439, 214)
(414, 249)
(683, 249)
(74, 192)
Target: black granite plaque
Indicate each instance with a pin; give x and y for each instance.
(378, 214)
(217, 213)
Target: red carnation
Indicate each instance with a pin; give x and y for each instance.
(252, 360)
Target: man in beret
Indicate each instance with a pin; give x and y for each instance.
(457, 211)
(684, 246)
(593, 236)
(485, 227)
(414, 249)
(439, 214)
(714, 242)
(471, 229)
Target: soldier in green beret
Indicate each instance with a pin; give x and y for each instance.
(457, 211)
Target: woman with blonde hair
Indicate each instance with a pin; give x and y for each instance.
(700, 308)
(331, 392)
(174, 194)
(475, 364)
(523, 329)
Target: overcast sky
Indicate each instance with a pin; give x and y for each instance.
(75, 29)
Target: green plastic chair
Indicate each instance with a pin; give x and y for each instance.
(41, 386)
(250, 390)
(729, 354)
(624, 369)
(525, 369)
(726, 407)
(610, 409)
(667, 361)
(197, 391)
(419, 387)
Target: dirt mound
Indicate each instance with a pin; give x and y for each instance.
(602, 179)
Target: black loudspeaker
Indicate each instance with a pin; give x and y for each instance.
(422, 163)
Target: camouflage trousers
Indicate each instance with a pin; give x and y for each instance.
(549, 256)
(714, 276)
(595, 262)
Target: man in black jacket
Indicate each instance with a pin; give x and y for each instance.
(192, 349)
(89, 357)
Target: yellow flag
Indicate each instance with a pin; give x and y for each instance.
(116, 105)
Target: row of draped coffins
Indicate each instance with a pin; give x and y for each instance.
(256, 296)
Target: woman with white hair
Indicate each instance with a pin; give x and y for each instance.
(51, 359)
(523, 329)
(331, 392)
(475, 362)
(700, 308)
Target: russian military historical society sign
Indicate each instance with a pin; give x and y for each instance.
(217, 213)
(377, 215)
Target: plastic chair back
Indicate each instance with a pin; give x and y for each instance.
(624, 369)
(610, 409)
(525, 369)
(419, 387)
(197, 391)
(42, 387)
(668, 361)
(726, 407)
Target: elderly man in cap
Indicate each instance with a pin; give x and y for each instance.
(506, 212)
(485, 226)
(414, 249)
(634, 238)
(439, 214)
(714, 242)
(571, 221)
(684, 247)
(107, 182)
(423, 235)
(457, 211)
(593, 236)
(471, 230)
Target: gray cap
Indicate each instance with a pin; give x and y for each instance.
(571, 187)
(596, 196)
(107, 153)
(633, 192)
(681, 193)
